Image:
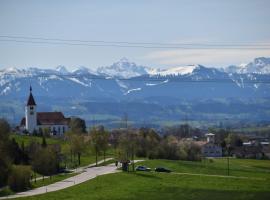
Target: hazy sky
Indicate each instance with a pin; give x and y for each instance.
(167, 21)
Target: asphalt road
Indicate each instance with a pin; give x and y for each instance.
(86, 174)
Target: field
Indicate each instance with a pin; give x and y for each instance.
(203, 180)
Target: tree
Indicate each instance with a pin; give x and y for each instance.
(19, 179)
(128, 146)
(233, 140)
(15, 152)
(77, 125)
(44, 143)
(77, 145)
(45, 161)
(104, 140)
(5, 158)
(96, 142)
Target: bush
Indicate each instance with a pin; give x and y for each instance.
(19, 178)
(45, 161)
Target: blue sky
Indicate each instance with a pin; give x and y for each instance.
(168, 21)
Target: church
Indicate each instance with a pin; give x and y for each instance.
(35, 121)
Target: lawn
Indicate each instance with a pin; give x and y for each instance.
(237, 167)
(152, 185)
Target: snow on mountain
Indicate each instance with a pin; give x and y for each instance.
(123, 69)
(259, 65)
(62, 69)
(84, 70)
(132, 90)
(181, 70)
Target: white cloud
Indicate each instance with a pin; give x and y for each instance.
(209, 57)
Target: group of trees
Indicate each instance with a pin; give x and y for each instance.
(18, 162)
(12, 160)
(145, 142)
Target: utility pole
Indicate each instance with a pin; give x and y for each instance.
(125, 121)
(228, 159)
(228, 165)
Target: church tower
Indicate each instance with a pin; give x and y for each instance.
(30, 113)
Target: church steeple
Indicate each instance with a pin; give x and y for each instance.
(30, 113)
(31, 100)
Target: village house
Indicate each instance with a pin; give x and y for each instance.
(210, 148)
(34, 121)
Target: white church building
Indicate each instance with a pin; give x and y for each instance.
(33, 121)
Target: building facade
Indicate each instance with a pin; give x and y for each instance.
(54, 122)
(210, 148)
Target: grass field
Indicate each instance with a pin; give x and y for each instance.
(152, 185)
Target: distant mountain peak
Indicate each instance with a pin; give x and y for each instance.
(123, 69)
(123, 60)
(61, 69)
(175, 71)
(260, 65)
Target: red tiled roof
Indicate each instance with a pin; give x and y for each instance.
(49, 118)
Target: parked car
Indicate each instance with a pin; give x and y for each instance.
(143, 168)
(162, 169)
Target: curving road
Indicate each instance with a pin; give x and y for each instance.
(88, 173)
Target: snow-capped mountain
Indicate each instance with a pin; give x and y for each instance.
(125, 81)
(124, 78)
(181, 70)
(62, 69)
(123, 69)
(259, 65)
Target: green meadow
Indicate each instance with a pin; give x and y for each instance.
(250, 179)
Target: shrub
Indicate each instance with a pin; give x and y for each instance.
(45, 161)
(19, 178)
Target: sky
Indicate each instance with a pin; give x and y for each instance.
(140, 21)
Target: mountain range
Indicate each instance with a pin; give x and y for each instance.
(166, 94)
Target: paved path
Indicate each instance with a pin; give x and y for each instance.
(76, 170)
(87, 174)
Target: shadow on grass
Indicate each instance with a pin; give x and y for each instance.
(147, 175)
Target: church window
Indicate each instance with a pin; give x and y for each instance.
(31, 112)
(64, 129)
(59, 129)
(31, 108)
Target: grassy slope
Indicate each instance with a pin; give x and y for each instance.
(238, 167)
(153, 185)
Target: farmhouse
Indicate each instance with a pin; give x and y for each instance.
(210, 148)
(33, 121)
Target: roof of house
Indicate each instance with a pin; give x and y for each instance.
(200, 143)
(209, 134)
(49, 118)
